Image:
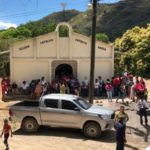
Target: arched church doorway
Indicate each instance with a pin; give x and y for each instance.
(63, 70)
(63, 67)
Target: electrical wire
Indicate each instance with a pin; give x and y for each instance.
(37, 11)
(25, 14)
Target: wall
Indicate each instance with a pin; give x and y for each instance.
(23, 49)
(46, 46)
(28, 70)
(38, 57)
(80, 46)
(102, 68)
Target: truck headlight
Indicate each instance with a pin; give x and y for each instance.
(105, 117)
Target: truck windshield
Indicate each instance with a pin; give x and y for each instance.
(82, 103)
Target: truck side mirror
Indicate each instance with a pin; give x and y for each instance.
(76, 109)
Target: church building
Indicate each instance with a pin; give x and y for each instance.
(50, 55)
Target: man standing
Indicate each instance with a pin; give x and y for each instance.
(120, 134)
(142, 104)
(121, 114)
(101, 85)
(96, 88)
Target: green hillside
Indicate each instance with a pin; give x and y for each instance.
(115, 19)
(112, 19)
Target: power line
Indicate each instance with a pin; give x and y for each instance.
(24, 14)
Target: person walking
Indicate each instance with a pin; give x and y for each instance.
(142, 105)
(6, 131)
(120, 134)
(121, 92)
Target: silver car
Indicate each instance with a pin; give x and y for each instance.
(63, 110)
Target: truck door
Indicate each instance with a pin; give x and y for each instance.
(70, 115)
(50, 112)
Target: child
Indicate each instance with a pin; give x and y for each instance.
(6, 130)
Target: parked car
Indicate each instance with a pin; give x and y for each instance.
(62, 110)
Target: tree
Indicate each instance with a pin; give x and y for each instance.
(102, 37)
(22, 33)
(63, 31)
(133, 51)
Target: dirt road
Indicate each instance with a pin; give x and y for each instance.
(138, 136)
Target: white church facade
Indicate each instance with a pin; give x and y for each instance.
(49, 54)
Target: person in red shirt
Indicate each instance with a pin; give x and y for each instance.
(6, 131)
(142, 82)
(116, 82)
(139, 89)
(4, 88)
(108, 88)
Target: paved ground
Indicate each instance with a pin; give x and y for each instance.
(138, 136)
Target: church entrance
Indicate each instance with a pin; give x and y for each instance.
(63, 70)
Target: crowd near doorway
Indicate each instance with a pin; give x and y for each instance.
(63, 70)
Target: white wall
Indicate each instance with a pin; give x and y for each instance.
(23, 49)
(46, 46)
(28, 70)
(64, 47)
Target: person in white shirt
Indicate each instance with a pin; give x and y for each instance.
(142, 105)
(24, 87)
(96, 87)
(43, 82)
(86, 81)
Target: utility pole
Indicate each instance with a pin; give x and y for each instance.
(64, 7)
(92, 64)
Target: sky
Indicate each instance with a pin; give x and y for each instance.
(16, 12)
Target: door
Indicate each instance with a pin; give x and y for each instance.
(70, 117)
(50, 112)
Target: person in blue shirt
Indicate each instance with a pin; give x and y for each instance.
(120, 134)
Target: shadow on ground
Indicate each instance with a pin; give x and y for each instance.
(140, 132)
(131, 147)
(107, 136)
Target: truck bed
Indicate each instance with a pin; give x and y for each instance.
(28, 103)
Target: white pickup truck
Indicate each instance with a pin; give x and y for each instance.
(62, 110)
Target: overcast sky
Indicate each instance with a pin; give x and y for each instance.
(16, 12)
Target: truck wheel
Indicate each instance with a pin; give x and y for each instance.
(29, 125)
(92, 130)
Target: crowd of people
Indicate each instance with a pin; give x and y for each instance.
(120, 86)
(39, 87)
